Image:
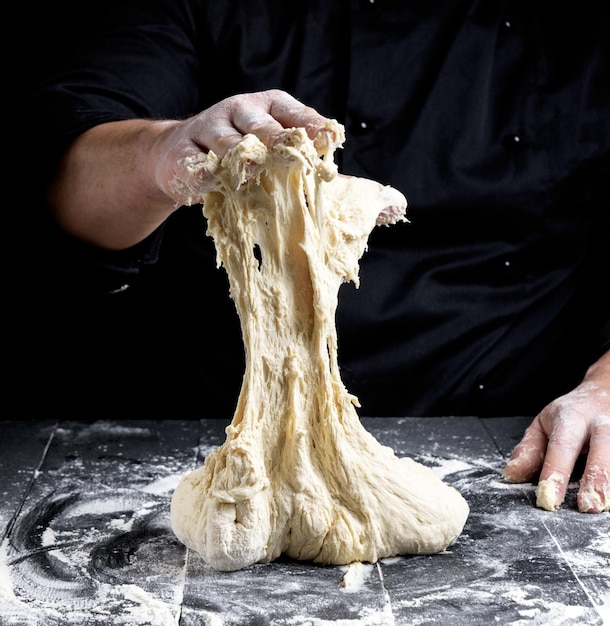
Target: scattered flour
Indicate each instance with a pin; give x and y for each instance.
(163, 485)
(368, 617)
(552, 613)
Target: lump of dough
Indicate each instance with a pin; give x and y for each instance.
(298, 474)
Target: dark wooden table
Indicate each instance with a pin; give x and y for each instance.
(87, 541)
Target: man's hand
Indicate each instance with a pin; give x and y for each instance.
(120, 180)
(187, 152)
(571, 425)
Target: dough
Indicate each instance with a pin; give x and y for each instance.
(298, 474)
(546, 492)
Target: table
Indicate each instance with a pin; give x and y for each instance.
(87, 540)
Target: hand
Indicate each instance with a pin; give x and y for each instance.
(119, 181)
(265, 114)
(573, 424)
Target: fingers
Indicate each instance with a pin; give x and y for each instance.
(289, 112)
(528, 456)
(594, 492)
(554, 455)
(569, 426)
(190, 150)
(568, 438)
(267, 114)
(254, 116)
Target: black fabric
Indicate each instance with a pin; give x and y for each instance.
(492, 117)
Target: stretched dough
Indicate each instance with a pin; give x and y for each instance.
(298, 474)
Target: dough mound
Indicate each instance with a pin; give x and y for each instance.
(298, 474)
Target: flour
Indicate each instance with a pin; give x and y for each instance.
(165, 484)
(7, 595)
(450, 466)
(65, 562)
(550, 613)
(146, 609)
(367, 617)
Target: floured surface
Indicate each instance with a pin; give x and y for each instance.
(298, 474)
(91, 542)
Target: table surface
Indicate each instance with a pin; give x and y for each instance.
(87, 540)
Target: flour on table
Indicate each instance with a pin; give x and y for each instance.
(298, 474)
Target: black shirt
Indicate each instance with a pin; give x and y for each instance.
(493, 118)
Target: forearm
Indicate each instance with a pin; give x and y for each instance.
(105, 191)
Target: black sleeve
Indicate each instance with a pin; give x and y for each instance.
(132, 59)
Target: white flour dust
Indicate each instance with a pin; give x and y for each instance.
(97, 549)
(534, 607)
(367, 617)
(163, 485)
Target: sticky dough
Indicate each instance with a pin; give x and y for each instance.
(298, 474)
